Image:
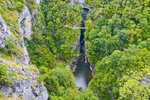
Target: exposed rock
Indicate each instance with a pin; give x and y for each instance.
(37, 2)
(26, 55)
(25, 84)
(3, 62)
(5, 33)
(78, 2)
(24, 22)
(147, 79)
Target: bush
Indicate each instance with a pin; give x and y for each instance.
(64, 77)
(19, 6)
(86, 94)
(5, 76)
(43, 70)
(52, 85)
(11, 47)
(2, 50)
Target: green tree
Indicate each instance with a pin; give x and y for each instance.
(86, 94)
(5, 75)
(64, 77)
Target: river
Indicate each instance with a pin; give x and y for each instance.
(83, 73)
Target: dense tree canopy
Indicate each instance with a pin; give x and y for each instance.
(118, 37)
(53, 39)
(116, 25)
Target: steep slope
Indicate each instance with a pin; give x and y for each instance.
(24, 82)
(118, 39)
(15, 24)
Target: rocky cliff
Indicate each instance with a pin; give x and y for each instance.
(25, 81)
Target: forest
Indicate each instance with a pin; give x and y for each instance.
(117, 37)
(118, 40)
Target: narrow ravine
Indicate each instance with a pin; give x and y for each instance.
(83, 73)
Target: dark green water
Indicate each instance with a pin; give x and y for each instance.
(82, 74)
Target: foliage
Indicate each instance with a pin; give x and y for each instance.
(116, 24)
(31, 5)
(64, 77)
(68, 94)
(51, 39)
(43, 70)
(52, 85)
(39, 52)
(2, 50)
(9, 12)
(60, 84)
(117, 36)
(5, 76)
(86, 94)
(11, 47)
(113, 67)
(134, 86)
(19, 6)
(118, 39)
(60, 38)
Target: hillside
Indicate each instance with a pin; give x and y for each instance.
(75, 49)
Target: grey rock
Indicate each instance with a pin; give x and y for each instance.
(37, 2)
(25, 84)
(80, 2)
(27, 87)
(5, 33)
(4, 89)
(147, 79)
(24, 22)
(3, 62)
(25, 27)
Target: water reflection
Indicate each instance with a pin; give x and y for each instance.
(83, 74)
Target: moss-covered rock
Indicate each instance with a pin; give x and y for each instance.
(24, 83)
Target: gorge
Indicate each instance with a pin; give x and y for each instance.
(48, 48)
(82, 73)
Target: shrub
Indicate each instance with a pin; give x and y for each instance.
(86, 94)
(5, 76)
(43, 70)
(19, 6)
(2, 50)
(11, 47)
(64, 77)
(52, 85)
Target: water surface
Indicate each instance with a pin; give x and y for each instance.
(82, 74)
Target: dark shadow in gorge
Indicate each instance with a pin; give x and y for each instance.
(83, 73)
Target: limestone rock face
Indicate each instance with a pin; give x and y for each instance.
(38, 1)
(147, 79)
(24, 22)
(79, 2)
(5, 34)
(25, 26)
(25, 83)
